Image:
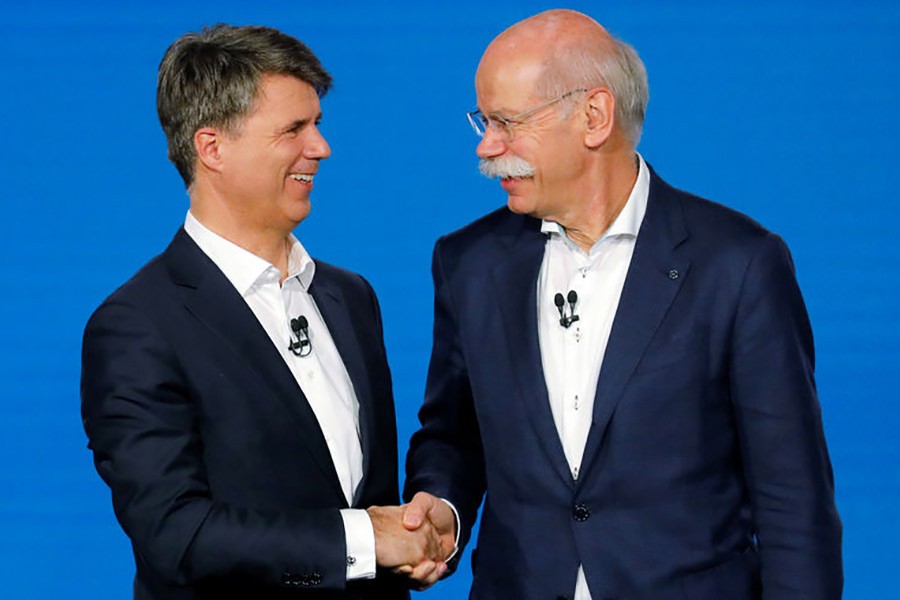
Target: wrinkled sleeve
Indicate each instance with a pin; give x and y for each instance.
(779, 419)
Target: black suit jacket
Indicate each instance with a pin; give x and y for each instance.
(705, 473)
(220, 474)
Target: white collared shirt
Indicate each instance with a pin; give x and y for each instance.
(321, 375)
(571, 357)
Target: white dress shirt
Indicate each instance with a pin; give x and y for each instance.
(321, 375)
(571, 357)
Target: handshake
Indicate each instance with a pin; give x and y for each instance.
(415, 539)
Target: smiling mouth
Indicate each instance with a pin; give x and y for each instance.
(303, 177)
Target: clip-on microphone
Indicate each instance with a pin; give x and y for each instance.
(303, 345)
(559, 301)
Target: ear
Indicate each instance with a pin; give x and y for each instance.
(600, 110)
(207, 144)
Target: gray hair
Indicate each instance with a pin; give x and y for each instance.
(622, 72)
(211, 79)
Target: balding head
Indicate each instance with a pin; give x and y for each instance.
(553, 30)
(564, 50)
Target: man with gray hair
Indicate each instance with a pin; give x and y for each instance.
(626, 370)
(236, 392)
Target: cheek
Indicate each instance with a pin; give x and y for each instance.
(289, 156)
(561, 162)
(256, 163)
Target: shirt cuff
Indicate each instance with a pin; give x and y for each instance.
(455, 541)
(360, 536)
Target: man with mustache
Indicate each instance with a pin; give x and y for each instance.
(626, 370)
(236, 392)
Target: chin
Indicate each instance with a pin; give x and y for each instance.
(520, 205)
(299, 212)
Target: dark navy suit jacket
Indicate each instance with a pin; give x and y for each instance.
(705, 474)
(220, 474)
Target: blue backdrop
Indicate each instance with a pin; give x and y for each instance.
(784, 110)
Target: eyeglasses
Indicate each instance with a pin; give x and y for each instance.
(504, 125)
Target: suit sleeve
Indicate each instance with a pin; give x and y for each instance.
(142, 425)
(446, 457)
(785, 458)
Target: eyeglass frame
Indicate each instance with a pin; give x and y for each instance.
(481, 122)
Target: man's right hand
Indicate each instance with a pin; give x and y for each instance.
(425, 508)
(418, 554)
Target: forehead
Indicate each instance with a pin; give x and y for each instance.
(506, 83)
(284, 94)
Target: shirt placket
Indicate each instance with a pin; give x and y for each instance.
(573, 397)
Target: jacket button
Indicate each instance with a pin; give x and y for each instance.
(581, 513)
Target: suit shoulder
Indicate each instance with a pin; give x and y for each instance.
(718, 238)
(353, 286)
(143, 298)
(142, 287)
(340, 275)
(492, 222)
(712, 224)
(487, 231)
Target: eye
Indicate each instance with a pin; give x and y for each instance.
(296, 127)
(500, 124)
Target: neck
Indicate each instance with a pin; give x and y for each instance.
(608, 189)
(267, 242)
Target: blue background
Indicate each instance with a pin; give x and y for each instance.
(785, 110)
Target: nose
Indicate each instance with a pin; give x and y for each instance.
(316, 146)
(492, 144)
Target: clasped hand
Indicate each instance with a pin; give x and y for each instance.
(415, 539)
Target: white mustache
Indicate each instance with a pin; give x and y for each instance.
(505, 166)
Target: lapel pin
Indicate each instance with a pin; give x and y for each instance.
(673, 274)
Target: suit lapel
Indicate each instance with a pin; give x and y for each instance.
(216, 304)
(332, 305)
(515, 281)
(654, 277)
